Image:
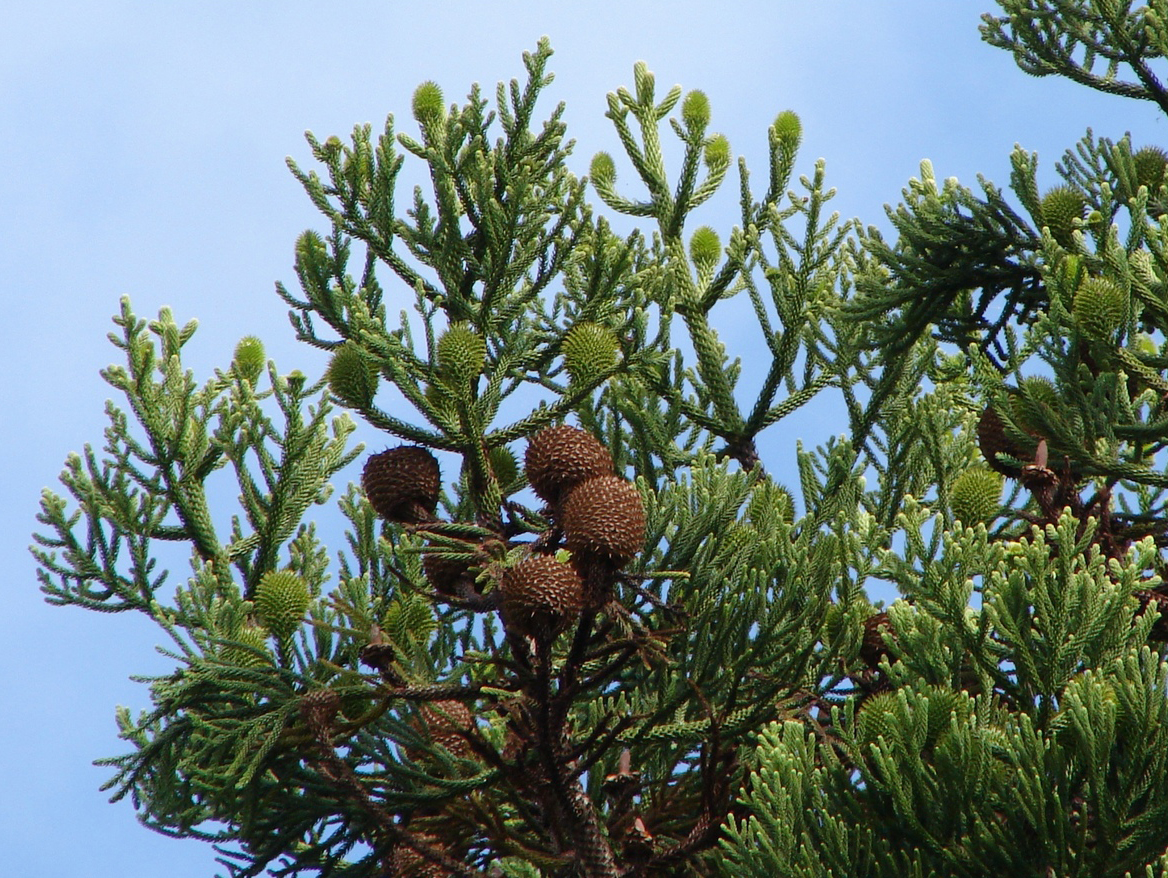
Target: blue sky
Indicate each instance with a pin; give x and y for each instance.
(143, 152)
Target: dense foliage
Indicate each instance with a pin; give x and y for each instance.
(577, 628)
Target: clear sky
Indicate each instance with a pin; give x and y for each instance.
(143, 153)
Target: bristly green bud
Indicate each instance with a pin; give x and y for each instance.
(789, 129)
(718, 151)
(428, 103)
(976, 495)
(705, 247)
(462, 356)
(1100, 307)
(248, 361)
(281, 600)
(590, 351)
(603, 169)
(1061, 206)
(695, 110)
(1150, 163)
(351, 377)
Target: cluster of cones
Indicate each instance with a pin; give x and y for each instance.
(540, 588)
(597, 517)
(601, 519)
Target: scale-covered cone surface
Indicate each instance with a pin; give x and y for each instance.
(992, 440)
(407, 863)
(558, 458)
(445, 722)
(462, 355)
(1150, 163)
(604, 518)
(403, 484)
(443, 571)
(241, 656)
(541, 596)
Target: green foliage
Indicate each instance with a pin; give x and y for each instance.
(724, 696)
(427, 105)
(1020, 738)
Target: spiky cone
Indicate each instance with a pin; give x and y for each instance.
(281, 599)
(447, 723)
(248, 361)
(559, 458)
(462, 356)
(1061, 206)
(873, 647)
(351, 377)
(1100, 308)
(541, 597)
(1150, 163)
(405, 862)
(590, 353)
(444, 572)
(976, 495)
(319, 708)
(523, 769)
(992, 440)
(604, 519)
(1034, 404)
(403, 483)
(705, 248)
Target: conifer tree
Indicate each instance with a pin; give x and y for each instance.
(1013, 719)
(578, 628)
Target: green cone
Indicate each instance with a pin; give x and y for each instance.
(1100, 307)
(789, 129)
(590, 352)
(705, 247)
(1150, 162)
(1030, 406)
(976, 495)
(1061, 206)
(351, 377)
(462, 356)
(249, 359)
(281, 600)
(428, 105)
(695, 110)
